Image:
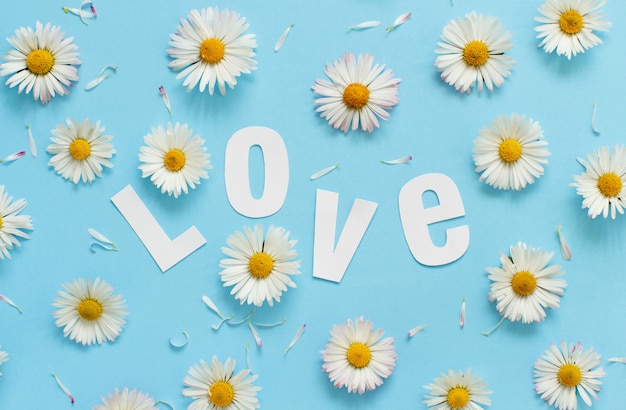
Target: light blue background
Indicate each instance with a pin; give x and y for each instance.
(432, 122)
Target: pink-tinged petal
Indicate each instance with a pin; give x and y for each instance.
(565, 251)
(295, 338)
(462, 314)
(31, 142)
(63, 388)
(257, 339)
(166, 99)
(401, 19)
(403, 160)
(416, 330)
(13, 156)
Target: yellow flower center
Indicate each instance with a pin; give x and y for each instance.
(89, 309)
(260, 265)
(355, 96)
(510, 150)
(570, 375)
(571, 22)
(0, 222)
(358, 355)
(174, 160)
(39, 61)
(458, 397)
(212, 50)
(609, 184)
(475, 53)
(221, 393)
(524, 283)
(80, 149)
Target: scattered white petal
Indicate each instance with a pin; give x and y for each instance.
(166, 99)
(617, 360)
(105, 73)
(10, 303)
(156, 403)
(207, 301)
(416, 330)
(85, 11)
(99, 237)
(295, 338)
(565, 251)
(280, 323)
(282, 38)
(324, 171)
(365, 25)
(63, 388)
(94, 245)
(31, 141)
(462, 314)
(13, 157)
(403, 160)
(180, 343)
(221, 322)
(593, 120)
(401, 19)
(257, 339)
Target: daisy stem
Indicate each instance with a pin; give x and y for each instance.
(494, 329)
(156, 403)
(245, 319)
(282, 322)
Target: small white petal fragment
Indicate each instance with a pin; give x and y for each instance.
(399, 21)
(10, 303)
(31, 141)
(462, 314)
(242, 320)
(403, 160)
(494, 328)
(295, 338)
(156, 403)
(85, 11)
(166, 99)
(416, 330)
(248, 356)
(99, 237)
(105, 73)
(565, 251)
(63, 388)
(175, 342)
(257, 339)
(95, 245)
(282, 322)
(13, 157)
(324, 171)
(225, 319)
(365, 25)
(593, 120)
(282, 38)
(207, 301)
(617, 360)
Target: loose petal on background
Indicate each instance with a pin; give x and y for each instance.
(324, 171)
(10, 303)
(178, 344)
(399, 21)
(282, 322)
(282, 38)
(105, 73)
(207, 301)
(166, 99)
(365, 25)
(85, 11)
(13, 157)
(416, 330)
(63, 388)
(403, 160)
(462, 314)
(295, 338)
(593, 120)
(257, 339)
(565, 251)
(31, 141)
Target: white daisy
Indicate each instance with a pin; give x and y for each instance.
(259, 268)
(80, 150)
(458, 391)
(510, 151)
(11, 223)
(357, 93)
(357, 357)
(210, 47)
(126, 400)
(4, 356)
(89, 312)
(216, 386)
(568, 25)
(603, 183)
(525, 285)
(173, 159)
(560, 373)
(43, 61)
(472, 52)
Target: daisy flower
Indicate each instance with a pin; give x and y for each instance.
(357, 93)
(43, 61)
(4, 356)
(89, 312)
(525, 285)
(560, 373)
(457, 391)
(510, 152)
(472, 53)
(259, 268)
(127, 400)
(603, 182)
(357, 357)
(80, 150)
(210, 47)
(173, 159)
(568, 25)
(216, 386)
(11, 223)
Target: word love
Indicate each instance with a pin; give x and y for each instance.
(330, 259)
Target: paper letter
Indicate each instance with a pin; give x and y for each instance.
(329, 261)
(236, 173)
(415, 219)
(165, 252)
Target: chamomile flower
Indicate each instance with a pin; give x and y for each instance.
(603, 182)
(259, 268)
(173, 159)
(216, 386)
(11, 224)
(4, 356)
(525, 285)
(510, 152)
(210, 48)
(80, 150)
(560, 373)
(568, 25)
(358, 93)
(458, 391)
(472, 52)
(89, 312)
(358, 357)
(43, 61)
(126, 400)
